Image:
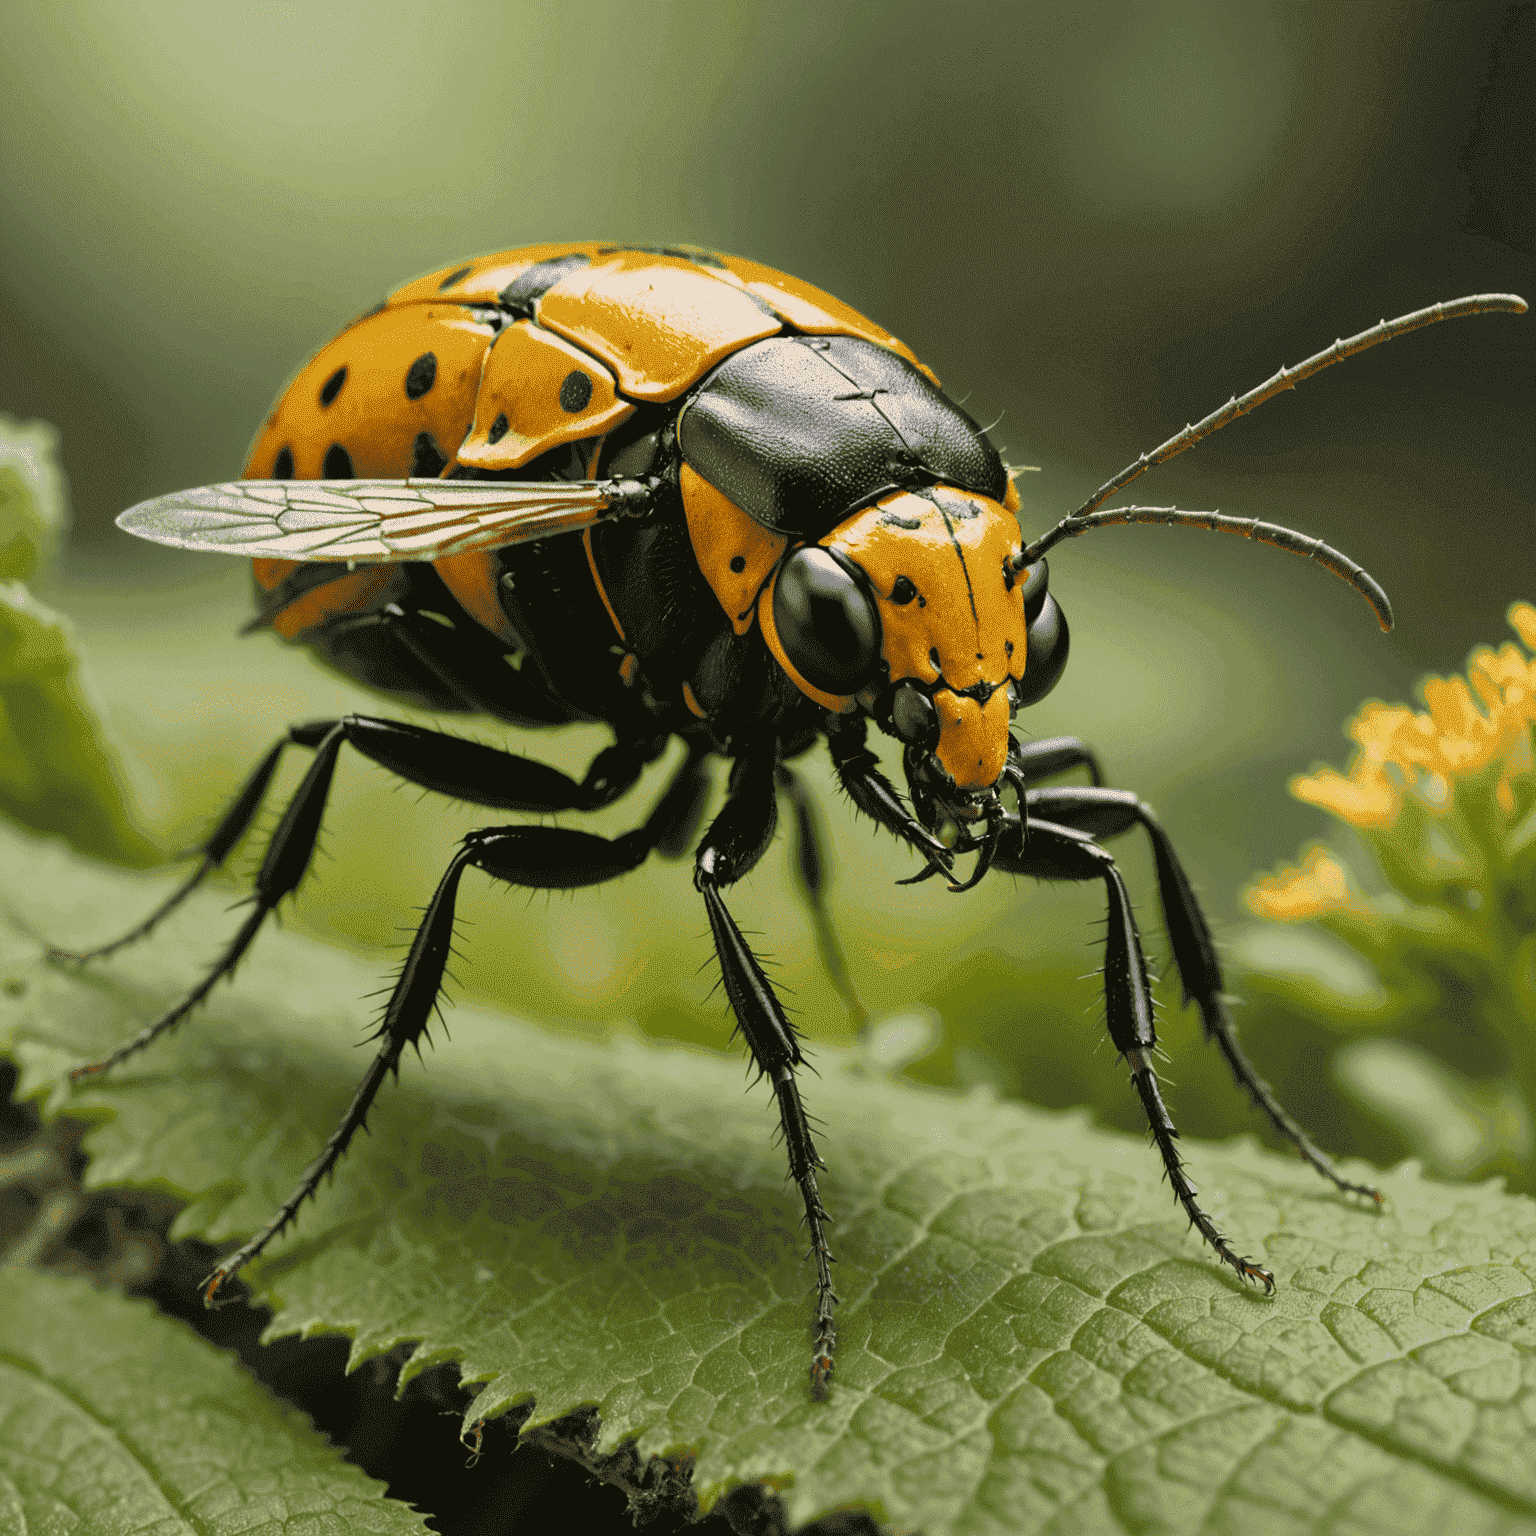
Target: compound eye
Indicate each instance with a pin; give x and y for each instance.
(1036, 584)
(826, 621)
(914, 717)
(1046, 657)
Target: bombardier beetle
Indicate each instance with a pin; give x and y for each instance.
(682, 494)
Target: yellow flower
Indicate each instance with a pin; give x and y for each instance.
(1367, 798)
(1455, 736)
(1293, 895)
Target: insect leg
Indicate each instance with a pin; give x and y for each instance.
(231, 828)
(482, 775)
(733, 844)
(677, 815)
(1109, 812)
(466, 770)
(548, 858)
(282, 868)
(1053, 852)
(810, 864)
(1044, 759)
(858, 770)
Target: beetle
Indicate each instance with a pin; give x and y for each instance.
(683, 494)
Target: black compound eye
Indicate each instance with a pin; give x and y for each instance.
(915, 719)
(827, 622)
(1049, 643)
(1036, 580)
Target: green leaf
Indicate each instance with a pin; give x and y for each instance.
(60, 770)
(1029, 1339)
(114, 1419)
(34, 509)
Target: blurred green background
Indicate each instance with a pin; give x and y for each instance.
(1095, 221)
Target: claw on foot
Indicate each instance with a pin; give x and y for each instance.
(210, 1286)
(1248, 1270)
(821, 1373)
(936, 866)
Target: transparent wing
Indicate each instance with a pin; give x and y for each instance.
(374, 520)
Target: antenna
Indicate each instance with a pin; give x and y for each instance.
(1088, 516)
(1326, 555)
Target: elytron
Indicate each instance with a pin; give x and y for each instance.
(683, 494)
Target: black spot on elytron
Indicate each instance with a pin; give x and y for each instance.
(933, 656)
(904, 591)
(498, 429)
(338, 462)
(332, 386)
(457, 276)
(427, 461)
(421, 376)
(738, 563)
(575, 392)
(282, 465)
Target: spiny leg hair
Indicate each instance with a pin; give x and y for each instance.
(540, 858)
(449, 765)
(1053, 852)
(735, 841)
(1110, 812)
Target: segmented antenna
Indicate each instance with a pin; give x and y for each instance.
(1088, 516)
(1218, 522)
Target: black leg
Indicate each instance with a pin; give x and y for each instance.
(810, 867)
(546, 858)
(449, 765)
(1054, 852)
(1109, 812)
(466, 770)
(1043, 759)
(858, 770)
(734, 843)
(282, 868)
(231, 828)
(677, 816)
